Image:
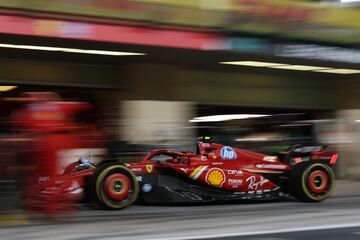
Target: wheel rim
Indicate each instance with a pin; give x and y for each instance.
(117, 186)
(318, 181)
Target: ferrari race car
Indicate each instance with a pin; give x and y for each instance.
(214, 173)
(222, 173)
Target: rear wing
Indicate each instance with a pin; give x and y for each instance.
(298, 153)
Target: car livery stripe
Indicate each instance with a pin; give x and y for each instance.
(200, 172)
(262, 170)
(197, 172)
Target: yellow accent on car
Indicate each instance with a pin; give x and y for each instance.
(149, 168)
(196, 170)
(216, 177)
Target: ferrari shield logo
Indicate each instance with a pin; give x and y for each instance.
(149, 168)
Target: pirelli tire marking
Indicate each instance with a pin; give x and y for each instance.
(99, 185)
(304, 181)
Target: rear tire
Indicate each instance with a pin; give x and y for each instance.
(311, 181)
(114, 186)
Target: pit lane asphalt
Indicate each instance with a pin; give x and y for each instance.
(338, 215)
(328, 234)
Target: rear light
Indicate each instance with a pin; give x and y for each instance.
(334, 158)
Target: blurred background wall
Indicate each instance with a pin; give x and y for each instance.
(297, 62)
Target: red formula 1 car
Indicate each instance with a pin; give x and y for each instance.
(214, 173)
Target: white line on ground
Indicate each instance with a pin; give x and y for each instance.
(234, 234)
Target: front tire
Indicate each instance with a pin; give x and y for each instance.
(311, 181)
(114, 186)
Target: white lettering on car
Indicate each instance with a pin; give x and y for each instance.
(136, 169)
(218, 163)
(74, 187)
(270, 166)
(253, 184)
(235, 172)
(270, 158)
(43, 179)
(235, 182)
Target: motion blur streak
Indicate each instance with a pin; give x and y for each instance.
(204, 222)
(50, 135)
(245, 99)
(70, 50)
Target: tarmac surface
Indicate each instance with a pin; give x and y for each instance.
(335, 218)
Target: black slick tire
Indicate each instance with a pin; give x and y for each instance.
(311, 181)
(99, 190)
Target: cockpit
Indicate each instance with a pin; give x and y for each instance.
(168, 158)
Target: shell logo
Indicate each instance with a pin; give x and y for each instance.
(215, 177)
